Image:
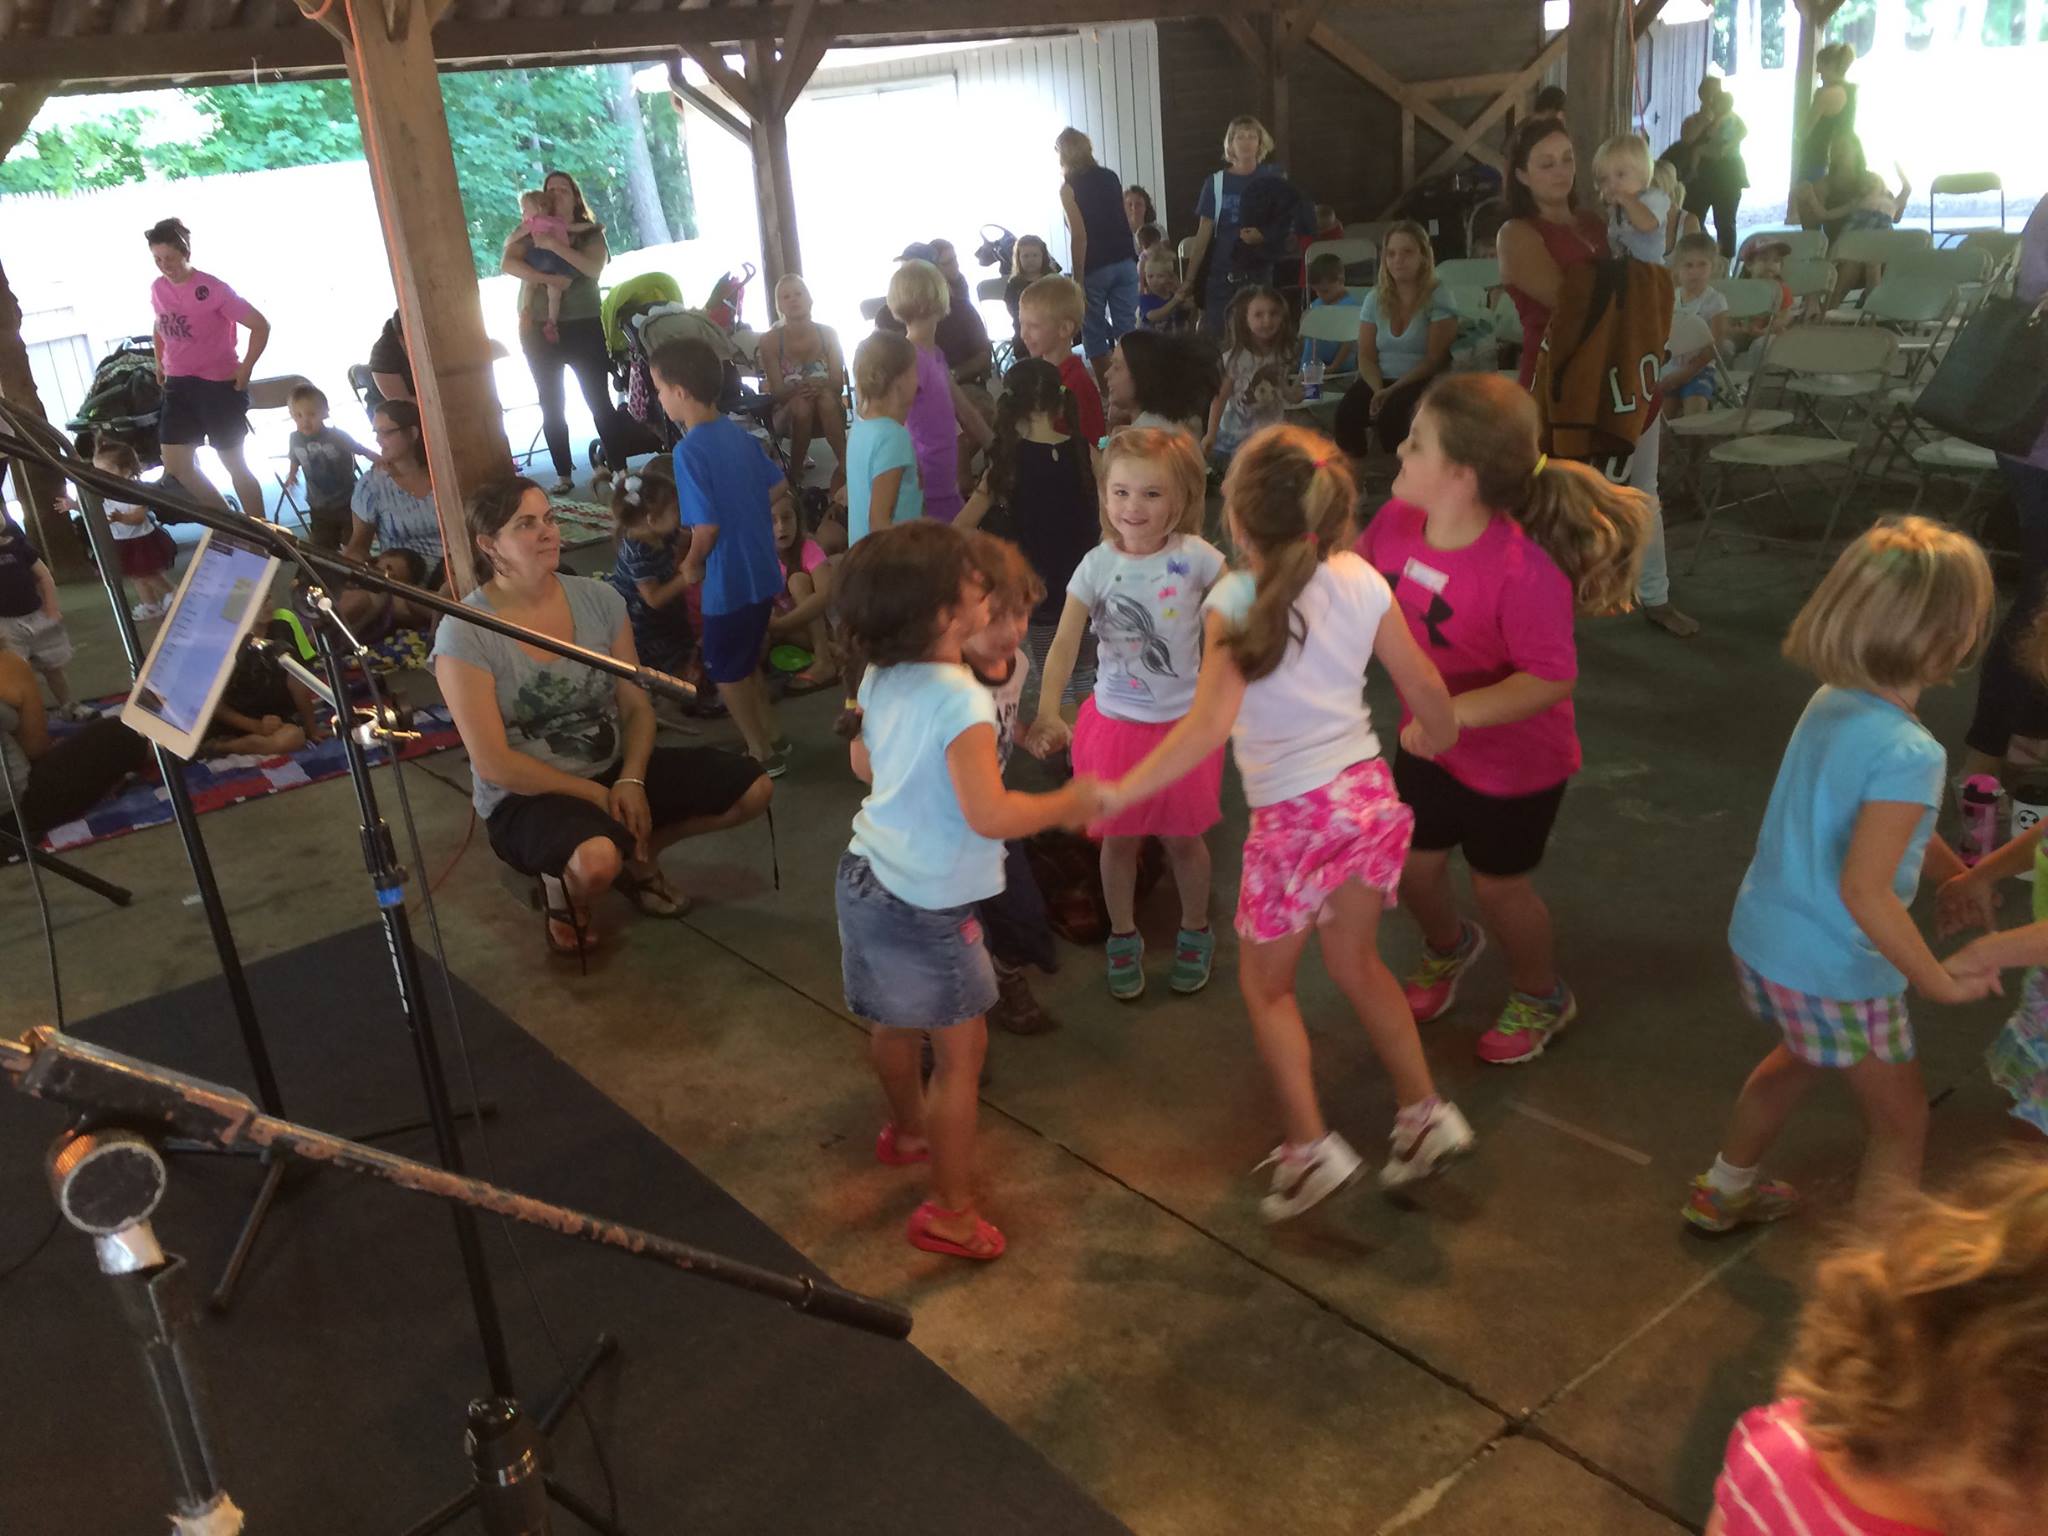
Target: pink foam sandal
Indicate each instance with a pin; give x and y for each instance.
(885, 1149)
(922, 1236)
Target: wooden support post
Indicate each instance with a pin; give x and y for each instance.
(1279, 98)
(780, 254)
(1802, 89)
(1596, 67)
(1407, 150)
(37, 487)
(412, 171)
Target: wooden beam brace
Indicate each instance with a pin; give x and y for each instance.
(1291, 27)
(1246, 37)
(799, 67)
(1350, 56)
(1484, 122)
(1646, 12)
(1454, 86)
(793, 41)
(738, 89)
(685, 93)
(19, 105)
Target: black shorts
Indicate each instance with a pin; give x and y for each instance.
(1502, 836)
(539, 834)
(198, 411)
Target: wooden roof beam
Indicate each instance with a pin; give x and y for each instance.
(739, 90)
(19, 105)
(686, 94)
(1344, 52)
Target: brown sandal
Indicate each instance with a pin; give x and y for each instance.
(552, 897)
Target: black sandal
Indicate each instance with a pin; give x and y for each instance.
(552, 897)
(652, 894)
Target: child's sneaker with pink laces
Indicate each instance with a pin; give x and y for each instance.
(1714, 1210)
(1433, 985)
(1526, 1027)
(1424, 1139)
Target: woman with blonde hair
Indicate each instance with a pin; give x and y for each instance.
(1219, 232)
(805, 371)
(1100, 244)
(1406, 327)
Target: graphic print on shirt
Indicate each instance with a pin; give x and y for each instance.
(1438, 612)
(175, 326)
(1127, 640)
(569, 714)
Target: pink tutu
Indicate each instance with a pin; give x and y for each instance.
(1108, 748)
(1302, 851)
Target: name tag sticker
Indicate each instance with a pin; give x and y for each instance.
(1426, 576)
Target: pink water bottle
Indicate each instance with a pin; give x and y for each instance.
(1980, 817)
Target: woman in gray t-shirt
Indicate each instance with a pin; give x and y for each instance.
(565, 773)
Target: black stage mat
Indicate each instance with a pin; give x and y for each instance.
(340, 1378)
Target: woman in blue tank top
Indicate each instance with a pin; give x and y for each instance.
(1100, 239)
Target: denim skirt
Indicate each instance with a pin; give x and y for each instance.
(908, 967)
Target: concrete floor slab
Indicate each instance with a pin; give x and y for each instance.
(1524, 1488)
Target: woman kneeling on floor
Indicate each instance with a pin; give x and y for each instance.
(569, 783)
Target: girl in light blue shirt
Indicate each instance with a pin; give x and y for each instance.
(927, 845)
(1824, 944)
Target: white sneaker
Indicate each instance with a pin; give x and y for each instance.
(1420, 1155)
(562, 486)
(142, 613)
(1299, 1186)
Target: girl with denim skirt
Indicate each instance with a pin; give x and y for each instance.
(1289, 634)
(927, 846)
(1824, 944)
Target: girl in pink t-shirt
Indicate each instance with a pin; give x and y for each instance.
(1491, 550)
(206, 382)
(1912, 1405)
(799, 614)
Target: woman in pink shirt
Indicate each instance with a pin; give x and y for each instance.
(1492, 550)
(206, 385)
(1914, 1401)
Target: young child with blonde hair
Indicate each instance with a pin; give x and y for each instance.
(1824, 945)
(537, 217)
(1492, 550)
(939, 412)
(1637, 208)
(1140, 590)
(1912, 1405)
(1290, 633)
(1049, 315)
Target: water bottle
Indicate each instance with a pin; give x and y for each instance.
(1312, 380)
(1980, 817)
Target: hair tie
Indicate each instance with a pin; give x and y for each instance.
(1311, 537)
(632, 485)
(1542, 463)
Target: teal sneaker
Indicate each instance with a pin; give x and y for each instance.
(1126, 966)
(1194, 951)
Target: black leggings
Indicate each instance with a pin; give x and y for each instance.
(78, 771)
(2011, 699)
(1722, 204)
(1354, 426)
(582, 351)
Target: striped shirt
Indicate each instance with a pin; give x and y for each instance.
(1773, 1484)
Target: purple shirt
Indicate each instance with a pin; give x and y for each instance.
(935, 432)
(2032, 284)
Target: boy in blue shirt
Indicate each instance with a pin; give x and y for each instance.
(725, 490)
(1326, 278)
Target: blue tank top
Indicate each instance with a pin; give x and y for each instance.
(1100, 196)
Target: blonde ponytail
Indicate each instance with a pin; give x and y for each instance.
(1594, 530)
(1288, 495)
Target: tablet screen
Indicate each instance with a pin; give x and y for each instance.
(188, 667)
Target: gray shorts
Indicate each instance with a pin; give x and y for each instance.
(42, 642)
(908, 967)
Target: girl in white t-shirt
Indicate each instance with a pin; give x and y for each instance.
(1141, 591)
(1289, 636)
(146, 551)
(927, 846)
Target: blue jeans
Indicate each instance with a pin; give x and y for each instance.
(908, 967)
(1110, 297)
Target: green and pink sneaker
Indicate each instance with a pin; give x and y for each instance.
(1126, 954)
(1433, 985)
(1711, 1211)
(1526, 1027)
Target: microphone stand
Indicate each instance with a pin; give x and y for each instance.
(108, 1181)
(387, 881)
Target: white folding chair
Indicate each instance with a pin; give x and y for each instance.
(1481, 272)
(1689, 335)
(1811, 279)
(1873, 248)
(1804, 352)
(1968, 267)
(1801, 244)
(1964, 184)
(1331, 323)
(2000, 247)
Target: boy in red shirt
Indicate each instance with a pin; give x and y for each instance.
(1048, 320)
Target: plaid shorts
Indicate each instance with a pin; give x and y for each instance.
(1826, 1032)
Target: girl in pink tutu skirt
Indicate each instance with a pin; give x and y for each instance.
(1289, 636)
(1141, 589)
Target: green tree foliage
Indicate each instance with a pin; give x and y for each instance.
(508, 129)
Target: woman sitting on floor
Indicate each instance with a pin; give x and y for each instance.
(567, 778)
(55, 778)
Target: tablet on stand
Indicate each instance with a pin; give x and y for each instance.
(195, 651)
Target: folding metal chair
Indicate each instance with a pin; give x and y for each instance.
(275, 394)
(1963, 184)
(1338, 323)
(1951, 456)
(1873, 248)
(1361, 257)
(1690, 335)
(1801, 245)
(1863, 352)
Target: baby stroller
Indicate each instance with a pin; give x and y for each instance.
(125, 403)
(736, 350)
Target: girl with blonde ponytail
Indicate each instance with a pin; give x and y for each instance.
(1491, 550)
(1289, 633)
